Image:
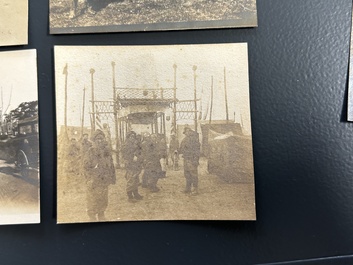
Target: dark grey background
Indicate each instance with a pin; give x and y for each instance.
(303, 150)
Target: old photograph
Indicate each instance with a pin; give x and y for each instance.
(19, 138)
(13, 22)
(153, 133)
(85, 16)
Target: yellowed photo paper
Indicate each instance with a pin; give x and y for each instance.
(19, 141)
(153, 133)
(84, 16)
(13, 22)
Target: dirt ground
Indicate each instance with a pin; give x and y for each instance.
(217, 200)
(129, 12)
(19, 196)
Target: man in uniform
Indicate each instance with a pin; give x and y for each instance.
(72, 158)
(133, 163)
(99, 173)
(153, 170)
(190, 148)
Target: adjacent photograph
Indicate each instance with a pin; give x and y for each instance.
(88, 16)
(153, 133)
(13, 22)
(19, 138)
(350, 79)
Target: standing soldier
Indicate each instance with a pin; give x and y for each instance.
(72, 157)
(99, 173)
(190, 148)
(132, 155)
(152, 164)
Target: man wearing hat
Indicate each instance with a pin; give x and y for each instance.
(99, 174)
(190, 148)
(131, 152)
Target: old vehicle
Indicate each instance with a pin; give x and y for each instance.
(230, 156)
(20, 145)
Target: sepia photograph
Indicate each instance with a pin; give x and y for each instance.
(88, 16)
(13, 22)
(19, 138)
(153, 133)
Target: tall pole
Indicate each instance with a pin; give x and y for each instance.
(92, 71)
(211, 100)
(194, 68)
(174, 101)
(65, 72)
(83, 110)
(200, 112)
(225, 95)
(117, 143)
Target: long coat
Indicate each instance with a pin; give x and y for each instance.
(99, 166)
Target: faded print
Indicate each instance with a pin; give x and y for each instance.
(19, 138)
(13, 22)
(83, 16)
(153, 133)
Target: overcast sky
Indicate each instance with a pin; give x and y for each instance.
(152, 67)
(18, 71)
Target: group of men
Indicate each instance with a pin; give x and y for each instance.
(149, 152)
(145, 153)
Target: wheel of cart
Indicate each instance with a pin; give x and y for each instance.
(22, 163)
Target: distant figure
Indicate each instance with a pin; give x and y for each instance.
(190, 148)
(86, 144)
(107, 134)
(99, 173)
(152, 165)
(72, 157)
(131, 152)
(174, 151)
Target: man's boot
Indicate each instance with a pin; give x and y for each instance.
(195, 191)
(154, 189)
(130, 196)
(137, 196)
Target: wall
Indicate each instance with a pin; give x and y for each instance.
(303, 151)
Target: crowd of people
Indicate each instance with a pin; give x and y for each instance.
(145, 160)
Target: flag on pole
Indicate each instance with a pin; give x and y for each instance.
(65, 70)
(98, 120)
